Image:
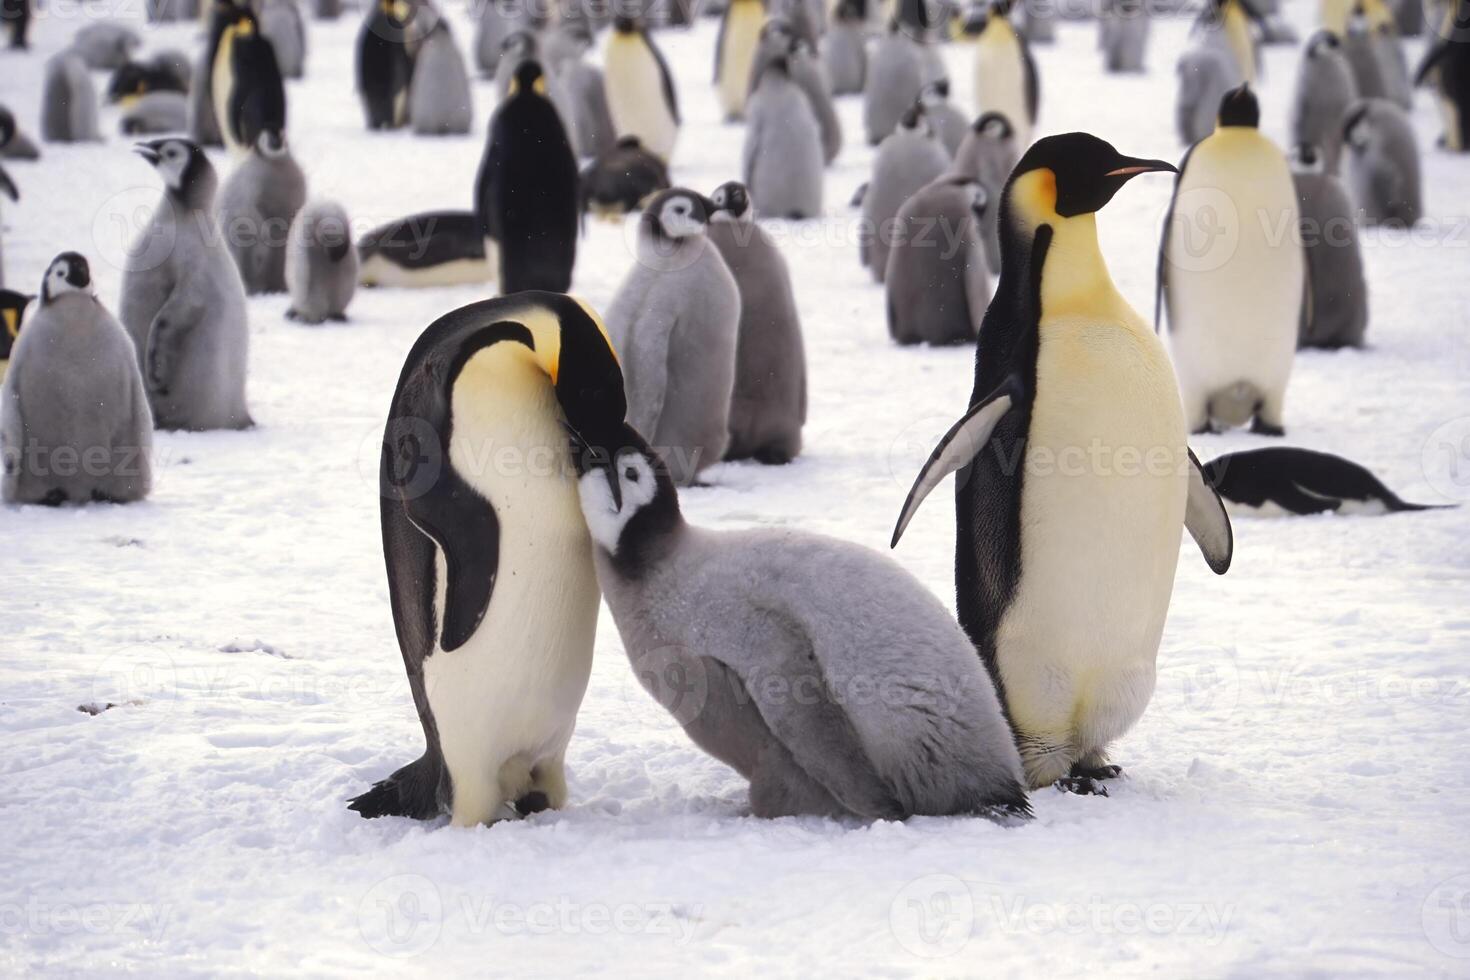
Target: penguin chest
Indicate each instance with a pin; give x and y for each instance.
(513, 690)
(222, 84)
(635, 93)
(1102, 510)
(737, 52)
(1000, 80)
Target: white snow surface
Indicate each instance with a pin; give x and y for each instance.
(1296, 793)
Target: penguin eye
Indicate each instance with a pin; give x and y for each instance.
(631, 473)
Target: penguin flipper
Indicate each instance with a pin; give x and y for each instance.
(960, 445)
(464, 526)
(1161, 283)
(7, 186)
(1206, 520)
(170, 328)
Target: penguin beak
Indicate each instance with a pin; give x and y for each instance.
(1133, 166)
(586, 458)
(148, 153)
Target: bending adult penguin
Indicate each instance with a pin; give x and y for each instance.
(249, 93)
(433, 248)
(1324, 89)
(989, 153)
(1446, 65)
(12, 314)
(321, 264)
(1005, 74)
(1233, 308)
(768, 407)
(526, 191)
(674, 324)
(640, 90)
(68, 101)
(736, 609)
(74, 422)
(182, 300)
(937, 282)
(490, 570)
(782, 158)
(740, 30)
(1284, 481)
(894, 82)
(439, 96)
(907, 160)
(1383, 168)
(1335, 313)
(385, 64)
(258, 203)
(1066, 605)
(621, 180)
(139, 78)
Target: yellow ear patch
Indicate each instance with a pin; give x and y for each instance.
(540, 85)
(1035, 194)
(12, 323)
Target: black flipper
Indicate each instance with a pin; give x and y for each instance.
(1159, 281)
(7, 186)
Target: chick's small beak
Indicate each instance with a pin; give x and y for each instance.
(147, 152)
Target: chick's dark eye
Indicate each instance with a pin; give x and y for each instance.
(631, 474)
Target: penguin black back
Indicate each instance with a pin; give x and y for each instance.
(257, 103)
(1301, 481)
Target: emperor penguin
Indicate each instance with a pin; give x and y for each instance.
(385, 64)
(805, 70)
(674, 323)
(989, 153)
(248, 90)
(439, 102)
(426, 250)
(1383, 169)
(74, 421)
(204, 125)
(106, 45)
(526, 191)
(938, 281)
(68, 101)
(908, 159)
(490, 572)
(949, 123)
(1284, 481)
(1231, 276)
(1063, 571)
(1325, 87)
(182, 300)
(782, 159)
(1005, 74)
(768, 407)
(640, 90)
(1335, 313)
(282, 26)
(1206, 72)
(585, 94)
(1234, 22)
(321, 264)
(495, 21)
(12, 314)
(733, 610)
(526, 46)
(1124, 35)
(257, 205)
(16, 15)
(620, 180)
(1446, 66)
(895, 81)
(139, 78)
(844, 49)
(735, 46)
(156, 112)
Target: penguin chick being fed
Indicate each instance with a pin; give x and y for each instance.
(780, 656)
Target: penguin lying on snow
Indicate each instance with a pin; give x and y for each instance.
(490, 566)
(1284, 481)
(138, 78)
(12, 313)
(1066, 605)
(762, 622)
(74, 421)
(154, 113)
(619, 181)
(68, 101)
(435, 248)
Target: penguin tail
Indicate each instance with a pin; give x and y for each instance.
(412, 791)
(1398, 505)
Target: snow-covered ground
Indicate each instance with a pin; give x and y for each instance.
(1297, 791)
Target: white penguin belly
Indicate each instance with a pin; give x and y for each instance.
(738, 53)
(378, 271)
(1000, 82)
(506, 702)
(222, 79)
(635, 92)
(1102, 512)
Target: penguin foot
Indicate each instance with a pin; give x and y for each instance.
(1081, 785)
(1266, 428)
(1081, 771)
(55, 497)
(337, 317)
(533, 802)
(291, 314)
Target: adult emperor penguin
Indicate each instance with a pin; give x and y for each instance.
(1063, 571)
(1382, 167)
(1336, 311)
(730, 611)
(782, 158)
(908, 159)
(1231, 275)
(68, 101)
(938, 282)
(490, 568)
(740, 30)
(439, 96)
(620, 180)
(768, 407)
(640, 90)
(321, 264)
(182, 300)
(425, 250)
(989, 153)
(1325, 87)
(73, 390)
(258, 203)
(385, 64)
(204, 126)
(12, 314)
(1005, 74)
(674, 324)
(526, 192)
(16, 15)
(1283, 481)
(1446, 65)
(247, 87)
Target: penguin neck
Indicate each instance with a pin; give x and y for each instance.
(659, 251)
(650, 535)
(1075, 279)
(196, 194)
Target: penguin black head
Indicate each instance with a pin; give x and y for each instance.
(624, 24)
(779, 64)
(271, 144)
(1321, 40)
(1239, 107)
(7, 127)
(628, 498)
(936, 91)
(186, 171)
(528, 78)
(1072, 174)
(993, 124)
(1307, 158)
(67, 273)
(12, 312)
(977, 18)
(1357, 125)
(731, 201)
(675, 214)
(849, 11)
(915, 118)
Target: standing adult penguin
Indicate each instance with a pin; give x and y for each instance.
(1206, 72)
(1063, 573)
(989, 154)
(1383, 167)
(204, 125)
(249, 93)
(1005, 74)
(16, 14)
(12, 314)
(321, 264)
(895, 81)
(1325, 87)
(385, 64)
(640, 90)
(439, 102)
(1336, 311)
(937, 281)
(1446, 66)
(182, 300)
(733, 611)
(282, 26)
(526, 46)
(782, 159)
(257, 206)
(1234, 308)
(68, 101)
(844, 49)
(740, 30)
(674, 324)
(768, 407)
(526, 191)
(74, 422)
(490, 570)
(908, 159)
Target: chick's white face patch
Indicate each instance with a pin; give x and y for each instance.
(605, 519)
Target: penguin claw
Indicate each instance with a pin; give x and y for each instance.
(1081, 785)
(1266, 428)
(1096, 772)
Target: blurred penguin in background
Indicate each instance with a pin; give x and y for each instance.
(258, 204)
(385, 64)
(1336, 311)
(949, 123)
(640, 90)
(496, 21)
(1005, 74)
(321, 264)
(844, 49)
(988, 154)
(106, 45)
(938, 281)
(281, 25)
(1235, 22)
(439, 102)
(908, 159)
(248, 90)
(735, 48)
(1382, 166)
(16, 15)
(622, 179)
(1206, 72)
(783, 156)
(1325, 87)
(1446, 67)
(895, 81)
(1124, 35)
(68, 101)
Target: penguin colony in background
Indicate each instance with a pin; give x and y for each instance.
(977, 232)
